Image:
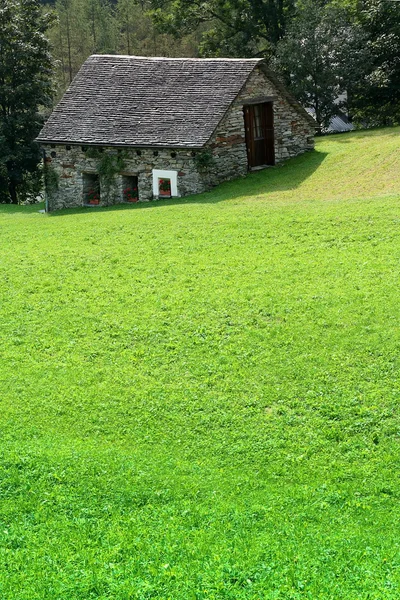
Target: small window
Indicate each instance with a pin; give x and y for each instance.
(91, 189)
(130, 191)
(164, 187)
(258, 126)
(165, 183)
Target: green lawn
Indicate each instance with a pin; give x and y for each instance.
(200, 398)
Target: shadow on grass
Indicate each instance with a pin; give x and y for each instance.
(280, 178)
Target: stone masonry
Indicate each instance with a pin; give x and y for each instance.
(71, 164)
(293, 134)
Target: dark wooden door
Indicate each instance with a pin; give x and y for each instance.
(259, 124)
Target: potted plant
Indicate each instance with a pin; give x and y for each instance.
(164, 187)
(130, 194)
(93, 197)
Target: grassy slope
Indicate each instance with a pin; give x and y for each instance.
(200, 399)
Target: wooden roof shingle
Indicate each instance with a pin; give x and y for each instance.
(139, 101)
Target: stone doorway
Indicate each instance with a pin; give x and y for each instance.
(259, 125)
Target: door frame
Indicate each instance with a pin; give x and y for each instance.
(259, 154)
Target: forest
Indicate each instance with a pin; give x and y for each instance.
(324, 49)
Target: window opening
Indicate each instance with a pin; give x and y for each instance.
(169, 185)
(164, 187)
(130, 188)
(258, 125)
(91, 189)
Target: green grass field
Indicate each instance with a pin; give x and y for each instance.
(200, 398)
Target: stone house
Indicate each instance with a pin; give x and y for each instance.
(132, 128)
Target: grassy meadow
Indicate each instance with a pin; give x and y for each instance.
(200, 398)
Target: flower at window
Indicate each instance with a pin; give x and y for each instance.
(93, 196)
(131, 194)
(164, 185)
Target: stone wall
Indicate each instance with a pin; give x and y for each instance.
(71, 163)
(294, 134)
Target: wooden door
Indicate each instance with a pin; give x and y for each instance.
(259, 125)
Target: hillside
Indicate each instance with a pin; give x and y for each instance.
(200, 398)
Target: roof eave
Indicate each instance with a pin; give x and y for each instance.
(119, 145)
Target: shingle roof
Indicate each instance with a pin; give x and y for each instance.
(136, 101)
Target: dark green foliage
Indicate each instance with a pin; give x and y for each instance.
(25, 86)
(320, 55)
(375, 97)
(109, 164)
(345, 46)
(108, 167)
(233, 28)
(204, 159)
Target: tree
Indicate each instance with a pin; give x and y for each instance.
(231, 27)
(102, 26)
(126, 19)
(376, 96)
(83, 27)
(321, 54)
(25, 85)
(69, 37)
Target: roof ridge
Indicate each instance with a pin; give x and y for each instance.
(182, 58)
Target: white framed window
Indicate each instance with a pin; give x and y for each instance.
(164, 176)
